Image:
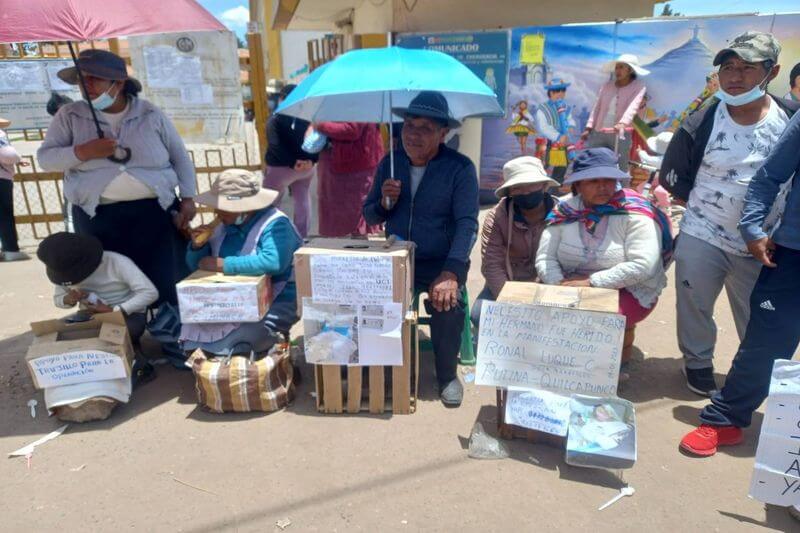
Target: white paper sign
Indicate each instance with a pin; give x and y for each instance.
(197, 94)
(25, 89)
(364, 335)
(76, 367)
(776, 477)
(538, 409)
(379, 339)
(352, 279)
(209, 303)
(568, 351)
(167, 67)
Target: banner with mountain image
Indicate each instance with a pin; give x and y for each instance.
(678, 52)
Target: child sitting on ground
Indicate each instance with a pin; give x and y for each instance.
(99, 282)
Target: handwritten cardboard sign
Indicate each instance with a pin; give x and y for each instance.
(538, 409)
(563, 350)
(352, 279)
(207, 298)
(776, 476)
(76, 367)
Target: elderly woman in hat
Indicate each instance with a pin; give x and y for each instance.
(617, 105)
(511, 230)
(122, 183)
(608, 237)
(253, 239)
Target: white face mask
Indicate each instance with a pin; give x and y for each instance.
(745, 98)
(240, 220)
(104, 101)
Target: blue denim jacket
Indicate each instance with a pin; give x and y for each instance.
(781, 165)
(158, 156)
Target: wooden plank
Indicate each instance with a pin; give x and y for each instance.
(353, 389)
(401, 378)
(38, 219)
(377, 390)
(414, 336)
(331, 389)
(318, 382)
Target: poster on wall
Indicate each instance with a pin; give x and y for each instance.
(556, 73)
(25, 88)
(485, 53)
(194, 78)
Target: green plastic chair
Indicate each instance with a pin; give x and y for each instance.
(467, 352)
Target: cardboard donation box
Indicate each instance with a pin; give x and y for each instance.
(67, 354)
(542, 345)
(213, 297)
(355, 297)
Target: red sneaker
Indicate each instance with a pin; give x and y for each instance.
(704, 440)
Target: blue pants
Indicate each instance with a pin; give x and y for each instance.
(772, 333)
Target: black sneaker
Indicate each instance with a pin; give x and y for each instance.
(701, 380)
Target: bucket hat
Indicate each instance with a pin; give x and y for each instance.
(595, 163)
(629, 59)
(429, 104)
(523, 170)
(70, 258)
(100, 64)
(237, 191)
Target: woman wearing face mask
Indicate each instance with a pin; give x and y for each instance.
(607, 237)
(122, 186)
(254, 239)
(511, 230)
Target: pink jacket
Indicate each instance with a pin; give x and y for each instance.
(629, 98)
(354, 146)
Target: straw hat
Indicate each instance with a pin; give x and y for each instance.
(630, 60)
(525, 170)
(237, 191)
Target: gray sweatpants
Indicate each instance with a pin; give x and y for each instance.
(701, 270)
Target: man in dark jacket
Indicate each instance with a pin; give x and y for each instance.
(288, 166)
(432, 201)
(708, 166)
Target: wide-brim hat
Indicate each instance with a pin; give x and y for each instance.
(525, 170)
(237, 191)
(658, 144)
(429, 104)
(100, 64)
(629, 59)
(652, 162)
(4, 123)
(70, 258)
(595, 163)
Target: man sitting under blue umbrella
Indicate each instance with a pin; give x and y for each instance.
(433, 202)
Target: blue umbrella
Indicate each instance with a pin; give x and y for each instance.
(364, 85)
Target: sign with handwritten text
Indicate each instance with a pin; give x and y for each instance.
(568, 351)
(76, 367)
(351, 279)
(538, 409)
(776, 477)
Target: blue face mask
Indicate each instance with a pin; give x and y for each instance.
(745, 98)
(104, 101)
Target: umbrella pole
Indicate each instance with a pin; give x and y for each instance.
(85, 93)
(388, 201)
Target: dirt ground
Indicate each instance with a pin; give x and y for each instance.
(161, 463)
